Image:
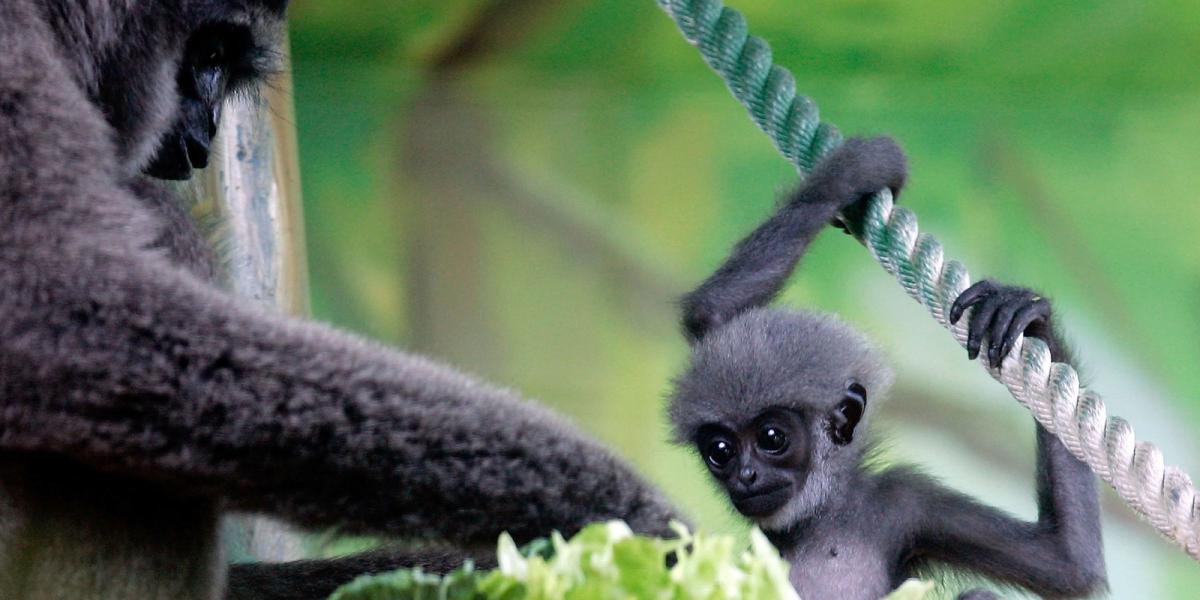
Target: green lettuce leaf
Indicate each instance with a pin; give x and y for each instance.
(606, 561)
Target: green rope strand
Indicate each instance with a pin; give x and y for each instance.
(1163, 494)
(767, 90)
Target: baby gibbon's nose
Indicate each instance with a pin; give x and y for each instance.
(747, 475)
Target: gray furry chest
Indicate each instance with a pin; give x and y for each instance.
(839, 568)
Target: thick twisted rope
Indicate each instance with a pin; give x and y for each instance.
(1164, 495)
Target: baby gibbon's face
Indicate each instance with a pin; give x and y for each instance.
(762, 461)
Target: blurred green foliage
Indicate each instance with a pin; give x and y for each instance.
(523, 187)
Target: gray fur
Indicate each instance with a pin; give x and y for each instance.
(179, 237)
(773, 357)
(121, 364)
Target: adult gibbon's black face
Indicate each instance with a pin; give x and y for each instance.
(219, 59)
(762, 462)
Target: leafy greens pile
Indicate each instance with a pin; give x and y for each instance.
(606, 561)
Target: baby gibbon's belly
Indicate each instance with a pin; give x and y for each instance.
(839, 571)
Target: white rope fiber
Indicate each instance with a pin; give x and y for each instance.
(1163, 494)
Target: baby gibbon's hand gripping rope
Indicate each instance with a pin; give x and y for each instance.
(1164, 495)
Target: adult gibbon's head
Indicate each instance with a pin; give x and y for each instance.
(160, 70)
(230, 53)
(775, 403)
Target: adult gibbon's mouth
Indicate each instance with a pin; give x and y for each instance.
(172, 161)
(762, 503)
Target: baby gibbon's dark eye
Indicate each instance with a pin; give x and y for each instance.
(719, 453)
(772, 439)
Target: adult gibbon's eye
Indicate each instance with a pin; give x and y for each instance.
(215, 56)
(719, 453)
(224, 48)
(772, 439)
(208, 50)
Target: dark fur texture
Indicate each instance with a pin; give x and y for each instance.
(121, 364)
(849, 531)
(319, 578)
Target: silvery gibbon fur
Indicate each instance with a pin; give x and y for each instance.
(776, 403)
(138, 401)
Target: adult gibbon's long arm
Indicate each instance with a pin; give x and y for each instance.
(114, 357)
(317, 579)
(761, 263)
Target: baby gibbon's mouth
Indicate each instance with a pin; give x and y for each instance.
(764, 502)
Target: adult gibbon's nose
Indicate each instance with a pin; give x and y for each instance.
(747, 475)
